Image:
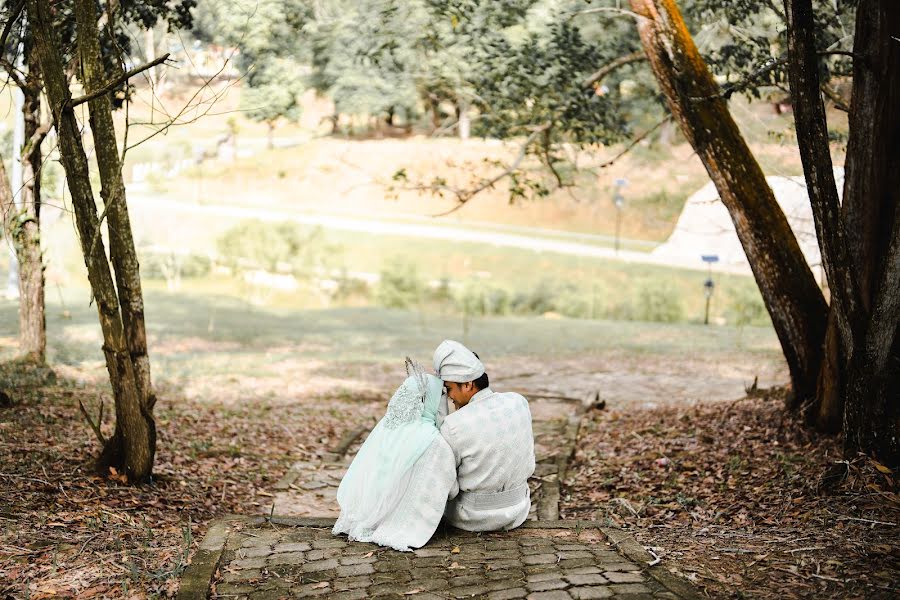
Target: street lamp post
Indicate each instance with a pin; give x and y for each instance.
(709, 285)
(619, 202)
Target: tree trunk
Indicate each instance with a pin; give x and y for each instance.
(121, 243)
(826, 411)
(794, 301)
(135, 448)
(32, 320)
(872, 201)
(464, 120)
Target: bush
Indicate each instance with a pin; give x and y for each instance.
(746, 307)
(540, 300)
(574, 303)
(268, 246)
(164, 265)
(400, 285)
(659, 302)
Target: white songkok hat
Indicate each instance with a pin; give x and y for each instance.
(454, 362)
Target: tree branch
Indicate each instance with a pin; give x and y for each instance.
(464, 195)
(631, 145)
(116, 82)
(608, 68)
(13, 16)
(835, 97)
(94, 426)
(13, 73)
(617, 12)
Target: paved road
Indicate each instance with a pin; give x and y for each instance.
(531, 239)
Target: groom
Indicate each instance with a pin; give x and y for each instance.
(490, 434)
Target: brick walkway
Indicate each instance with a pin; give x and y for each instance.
(294, 555)
(259, 558)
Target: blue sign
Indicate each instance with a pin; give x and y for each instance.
(710, 258)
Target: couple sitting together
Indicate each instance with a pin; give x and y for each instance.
(422, 463)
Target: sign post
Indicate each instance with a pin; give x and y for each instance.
(709, 285)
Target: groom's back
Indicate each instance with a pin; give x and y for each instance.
(493, 444)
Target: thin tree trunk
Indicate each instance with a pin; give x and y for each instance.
(826, 413)
(32, 320)
(464, 120)
(794, 301)
(121, 243)
(136, 458)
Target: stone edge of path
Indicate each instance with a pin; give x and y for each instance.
(199, 574)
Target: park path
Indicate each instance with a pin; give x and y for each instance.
(290, 552)
(536, 239)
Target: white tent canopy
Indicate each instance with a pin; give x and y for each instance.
(705, 227)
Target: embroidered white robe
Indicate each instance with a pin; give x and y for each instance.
(493, 445)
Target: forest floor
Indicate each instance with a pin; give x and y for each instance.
(740, 499)
(730, 492)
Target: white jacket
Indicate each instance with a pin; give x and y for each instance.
(493, 445)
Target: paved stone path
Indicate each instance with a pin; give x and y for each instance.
(294, 555)
(262, 559)
(309, 489)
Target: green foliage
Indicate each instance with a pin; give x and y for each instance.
(746, 307)
(272, 52)
(658, 302)
(163, 265)
(400, 285)
(273, 91)
(273, 247)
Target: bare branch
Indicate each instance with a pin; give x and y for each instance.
(94, 426)
(631, 145)
(835, 97)
(464, 196)
(117, 82)
(608, 68)
(13, 17)
(13, 73)
(768, 66)
(616, 12)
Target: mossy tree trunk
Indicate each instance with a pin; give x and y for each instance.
(788, 287)
(132, 449)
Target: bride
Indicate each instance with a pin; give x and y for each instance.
(395, 490)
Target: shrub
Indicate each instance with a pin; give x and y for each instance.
(746, 307)
(400, 285)
(659, 302)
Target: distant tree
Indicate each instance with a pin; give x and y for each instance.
(273, 93)
(272, 53)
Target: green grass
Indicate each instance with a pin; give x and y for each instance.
(612, 288)
(193, 335)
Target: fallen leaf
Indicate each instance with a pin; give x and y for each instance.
(455, 550)
(881, 467)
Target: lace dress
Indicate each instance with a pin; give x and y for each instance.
(397, 487)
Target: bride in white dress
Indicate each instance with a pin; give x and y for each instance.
(397, 486)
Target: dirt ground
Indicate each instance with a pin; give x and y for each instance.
(741, 514)
(741, 499)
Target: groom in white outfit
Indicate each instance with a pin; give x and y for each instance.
(492, 441)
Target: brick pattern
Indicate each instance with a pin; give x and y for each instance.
(263, 562)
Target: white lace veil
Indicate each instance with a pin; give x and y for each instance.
(369, 491)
